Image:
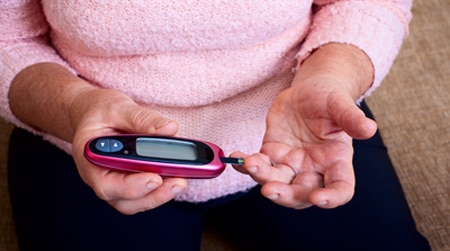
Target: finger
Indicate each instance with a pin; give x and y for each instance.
(239, 168)
(350, 118)
(159, 196)
(295, 195)
(239, 155)
(287, 195)
(251, 162)
(146, 121)
(339, 181)
(262, 170)
(113, 185)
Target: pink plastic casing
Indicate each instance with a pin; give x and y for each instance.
(210, 170)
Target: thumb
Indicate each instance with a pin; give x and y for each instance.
(350, 118)
(146, 121)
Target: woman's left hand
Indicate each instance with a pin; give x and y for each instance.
(306, 155)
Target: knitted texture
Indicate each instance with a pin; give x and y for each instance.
(214, 66)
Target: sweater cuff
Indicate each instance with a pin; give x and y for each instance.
(375, 29)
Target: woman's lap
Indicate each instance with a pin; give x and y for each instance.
(55, 210)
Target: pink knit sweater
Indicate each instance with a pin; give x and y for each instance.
(214, 66)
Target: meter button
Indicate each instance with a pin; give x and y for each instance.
(108, 145)
(103, 145)
(115, 145)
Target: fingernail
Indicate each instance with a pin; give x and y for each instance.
(273, 196)
(152, 185)
(323, 203)
(177, 189)
(252, 169)
(162, 123)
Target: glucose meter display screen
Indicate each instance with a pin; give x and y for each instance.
(166, 149)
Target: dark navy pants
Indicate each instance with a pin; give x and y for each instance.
(54, 210)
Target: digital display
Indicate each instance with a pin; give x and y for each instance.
(166, 149)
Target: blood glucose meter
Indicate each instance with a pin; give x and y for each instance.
(167, 156)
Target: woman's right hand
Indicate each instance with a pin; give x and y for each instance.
(51, 99)
(98, 112)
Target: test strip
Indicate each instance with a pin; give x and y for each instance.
(233, 161)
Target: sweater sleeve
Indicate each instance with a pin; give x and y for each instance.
(377, 27)
(23, 42)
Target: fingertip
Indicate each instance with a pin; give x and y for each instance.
(271, 191)
(182, 182)
(371, 127)
(258, 160)
(176, 189)
(320, 199)
(251, 162)
(147, 121)
(286, 195)
(153, 181)
(360, 127)
(165, 127)
(367, 128)
(329, 198)
(238, 154)
(177, 185)
(274, 196)
(351, 118)
(252, 169)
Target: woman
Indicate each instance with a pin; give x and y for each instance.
(276, 83)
